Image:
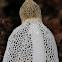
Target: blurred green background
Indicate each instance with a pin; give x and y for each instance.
(9, 19)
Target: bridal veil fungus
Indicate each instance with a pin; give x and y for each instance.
(32, 41)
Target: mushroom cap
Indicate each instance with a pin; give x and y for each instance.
(29, 10)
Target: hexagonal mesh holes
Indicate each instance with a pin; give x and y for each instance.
(20, 44)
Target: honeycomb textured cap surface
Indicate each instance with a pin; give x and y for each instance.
(29, 9)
